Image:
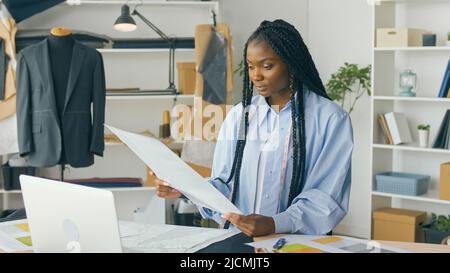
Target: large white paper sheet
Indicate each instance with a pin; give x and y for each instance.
(169, 238)
(169, 167)
(135, 237)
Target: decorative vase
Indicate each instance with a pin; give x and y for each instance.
(423, 138)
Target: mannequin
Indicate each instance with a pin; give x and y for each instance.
(60, 31)
(60, 44)
(60, 94)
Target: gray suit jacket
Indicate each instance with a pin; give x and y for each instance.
(40, 128)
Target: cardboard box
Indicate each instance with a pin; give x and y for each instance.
(444, 181)
(186, 78)
(399, 37)
(390, 224)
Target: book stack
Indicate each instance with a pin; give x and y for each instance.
(443, 136)
(445, 85)
(395, 128)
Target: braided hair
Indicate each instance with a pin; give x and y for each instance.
(288, 44)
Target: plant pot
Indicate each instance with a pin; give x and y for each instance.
(433, 236)
(448, 43)
(423, 138)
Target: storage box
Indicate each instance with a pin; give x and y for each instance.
(186, 78)
(402, 183)
(399, 37)
(429, 39)
(390, 224)
(444, 181)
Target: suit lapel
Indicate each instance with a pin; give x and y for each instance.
(75, 67)
(43, 61)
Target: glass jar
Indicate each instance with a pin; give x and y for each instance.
(408, 81)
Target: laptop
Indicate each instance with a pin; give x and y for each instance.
(63, 217)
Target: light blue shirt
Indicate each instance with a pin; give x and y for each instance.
(329, 143)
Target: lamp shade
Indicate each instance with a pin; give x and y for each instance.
(125, 22)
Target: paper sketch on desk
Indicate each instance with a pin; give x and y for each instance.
(15, 236)
(170, 238)
(171, 168)
(324, 244)
(128, 229)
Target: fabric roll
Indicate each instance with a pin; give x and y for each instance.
(116, 182)
(181, 42)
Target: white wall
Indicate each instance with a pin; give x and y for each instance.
(340, 31)
(335, 32)
(244, 16)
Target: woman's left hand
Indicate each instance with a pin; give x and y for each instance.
(252, 225)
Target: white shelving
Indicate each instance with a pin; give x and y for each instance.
(429, 63)
(150, 3)
(13, 191)
(410, 147)
(409, 1)
(431, 196)
(412, 99)
(424, 48)
(131, 189)
(142, 50)
(185, 98)
(173, 145)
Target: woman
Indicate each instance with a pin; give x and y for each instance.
(283, 157)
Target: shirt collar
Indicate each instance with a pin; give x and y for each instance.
(263, 108)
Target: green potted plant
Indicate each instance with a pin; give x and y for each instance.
(437, 230)
(348, 84)
(448, 38)
(424, 133)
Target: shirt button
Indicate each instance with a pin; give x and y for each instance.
(267, 196)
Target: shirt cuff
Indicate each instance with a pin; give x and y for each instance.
(283, 223)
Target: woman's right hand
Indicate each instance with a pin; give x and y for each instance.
(163, 189)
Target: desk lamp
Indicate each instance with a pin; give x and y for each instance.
(126, 23)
